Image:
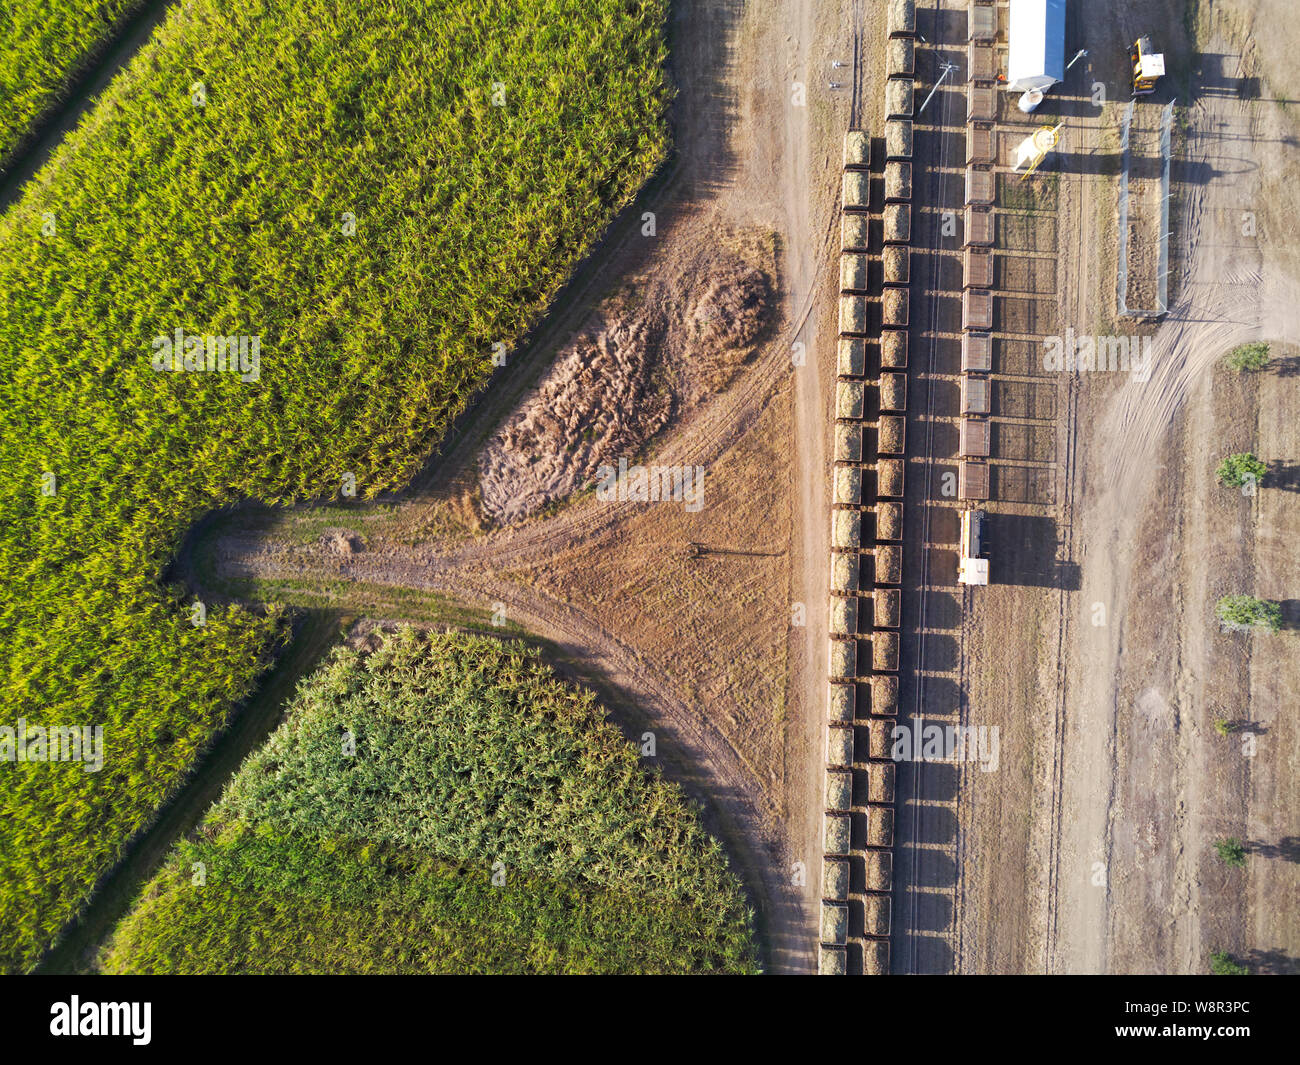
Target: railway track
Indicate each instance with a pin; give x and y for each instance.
(921, 769)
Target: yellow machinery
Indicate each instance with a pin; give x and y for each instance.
(1148, 66)
(1034, 149)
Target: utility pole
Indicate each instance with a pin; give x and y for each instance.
(948, 68)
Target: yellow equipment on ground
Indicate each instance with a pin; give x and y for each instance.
(1148, 66)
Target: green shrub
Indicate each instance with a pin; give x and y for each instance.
(350, 194)
(399, 784)
(1231, 852)
(1236, 470)
(1248, 612)
(1248, 357)
(1223, 964)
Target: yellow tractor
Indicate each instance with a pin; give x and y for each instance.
(1148, 66)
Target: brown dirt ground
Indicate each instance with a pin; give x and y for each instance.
(1094, 852)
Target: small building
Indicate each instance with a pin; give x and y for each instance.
(973, 437)
(1035, 44)
(972, 480)
(979, 226)
(974, 394)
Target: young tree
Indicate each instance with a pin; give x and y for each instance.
(1223, 726)
(1231, 852)
(1236, 470)
(1248, 357)
(1223, 964)
(1242, 612)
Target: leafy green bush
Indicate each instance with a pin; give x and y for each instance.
(1249, 612)
(44, 45)
(1248, 357)
(338, 181)
(1223, 964)
(1236, 470)
(399, 784)
(1230, 852)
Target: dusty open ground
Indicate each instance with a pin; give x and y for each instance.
(1096, 649)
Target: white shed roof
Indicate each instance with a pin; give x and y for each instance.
(1036, 44)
